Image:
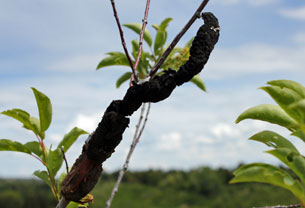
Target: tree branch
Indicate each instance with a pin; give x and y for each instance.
(142, 35)
(99, 146)
(282, 206)
(195, 16)
(63, 203)
(123, 40)
(136, 139)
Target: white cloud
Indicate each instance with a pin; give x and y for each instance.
(206, 140)
(296, 13)
(222, 130)
(227, 2)
(86, 122)
(251, 2)
(299, 38)
(170, 142)
(261, 2)
(55, 138)
(255, 59)
(77, 63)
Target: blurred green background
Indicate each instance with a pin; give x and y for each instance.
(197, 188)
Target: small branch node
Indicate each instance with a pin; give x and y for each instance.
(198, 15)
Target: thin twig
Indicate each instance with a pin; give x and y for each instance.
(178, 37)
(123, 40)
(136, 139)
(65, 159)
(63, 203)
(282, 206)
(135, 66)
(143, 127)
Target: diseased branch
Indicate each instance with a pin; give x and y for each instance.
(123, 40)
(195, 16)
(135, 141)
(101, 144)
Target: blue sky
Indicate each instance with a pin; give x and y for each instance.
(55, 47)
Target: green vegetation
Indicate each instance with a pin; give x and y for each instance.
(197, 188)
(290, 114)
(52, 159)
(176, 58)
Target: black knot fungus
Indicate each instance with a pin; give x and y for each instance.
(202, 46)
(87, 168)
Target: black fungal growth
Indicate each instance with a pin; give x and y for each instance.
(109, 131)
(86, 170)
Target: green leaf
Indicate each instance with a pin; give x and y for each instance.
(264, 173)
(273, 139)
(137, 27)
(126, 76)
(54, 161)
(161, 36)
(35, 126)
(20, 115)
(292, 85)
(299, 107)
(70, 138)
(292, 159)
(135, 48)
(9, 145)
(270, 113)
(156, 26)
(43, 175)
(35, 148)
(114, 59)
(299, 133)
(175, 51)
(160, 40)
(198, 82)
(164, 23)
(44, 108)
(284, 97)
(77, 205)
(189, 43)
(73, 205)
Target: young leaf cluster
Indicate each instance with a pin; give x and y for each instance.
(52, 159)
(290, 114)
(156, 46)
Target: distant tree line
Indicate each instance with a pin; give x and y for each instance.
(197, 188)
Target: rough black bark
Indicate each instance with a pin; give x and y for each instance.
(101, 144)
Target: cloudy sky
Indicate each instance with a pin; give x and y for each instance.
(56, 45)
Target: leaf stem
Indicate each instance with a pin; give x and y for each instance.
(54, 191)
(38, 158)
(177, 38)
(123, 40)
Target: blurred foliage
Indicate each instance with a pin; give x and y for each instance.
(198, 188)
